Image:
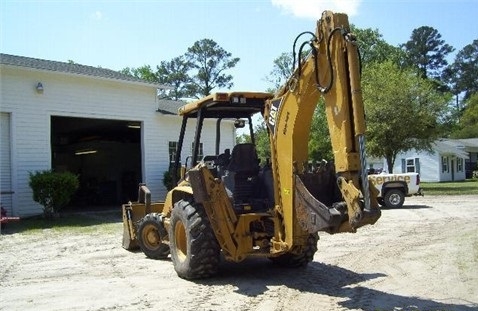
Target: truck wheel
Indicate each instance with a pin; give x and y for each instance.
(150, 234)
(299, 259)
(195, 251)
(394, 198)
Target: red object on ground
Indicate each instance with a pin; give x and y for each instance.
(4, 218)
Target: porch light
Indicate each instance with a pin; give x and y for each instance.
(39, 88)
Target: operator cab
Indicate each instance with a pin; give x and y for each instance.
(237, 166)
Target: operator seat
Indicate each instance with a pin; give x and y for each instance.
(244, 159)
(241, 175)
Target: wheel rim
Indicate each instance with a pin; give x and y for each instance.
(395, 199)
(181, 241)
(151, 237)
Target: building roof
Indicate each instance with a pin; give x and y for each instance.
(170, 107)
(72, 68)
(451, 146)
(469, 142)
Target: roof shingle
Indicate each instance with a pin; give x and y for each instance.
(170, 107)
(42, 64)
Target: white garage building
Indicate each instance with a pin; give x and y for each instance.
(110, 129)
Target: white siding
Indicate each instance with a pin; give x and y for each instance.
(429, 167)
(429, 164)
(66, 95)
(5, 164)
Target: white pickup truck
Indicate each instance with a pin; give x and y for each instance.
(393, 188)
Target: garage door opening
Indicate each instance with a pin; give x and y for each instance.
(105, 154)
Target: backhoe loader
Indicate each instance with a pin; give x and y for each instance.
(229, 204)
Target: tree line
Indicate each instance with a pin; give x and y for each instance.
(412, 95)
(201, 69)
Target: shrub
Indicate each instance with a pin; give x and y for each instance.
(168, 177)
(53, 190)
(168, 180)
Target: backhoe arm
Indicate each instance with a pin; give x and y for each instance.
(332, 70)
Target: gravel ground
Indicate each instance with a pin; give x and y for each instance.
(423, 256)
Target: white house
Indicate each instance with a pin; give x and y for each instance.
(470, 146)
(110, 129)
(450, 160)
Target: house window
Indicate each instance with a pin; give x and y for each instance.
(200, 152)
(459, 164)
(173, 145)
(411, 165)
(444, 164)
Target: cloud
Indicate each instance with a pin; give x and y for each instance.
(314, 8)
(97, 16)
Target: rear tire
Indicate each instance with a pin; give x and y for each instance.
(195, 252)
(150, 234)
(394, 198)
(301, 259)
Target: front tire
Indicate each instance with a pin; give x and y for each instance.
(195, 252)
(150, 234)
(300, 259)
(394, 198)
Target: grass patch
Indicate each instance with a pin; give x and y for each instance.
(467, 187)
(68, 223)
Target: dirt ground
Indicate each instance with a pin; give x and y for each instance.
(423, 256)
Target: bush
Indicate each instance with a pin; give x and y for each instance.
(168, 180)
(53, 190)
(168, 177)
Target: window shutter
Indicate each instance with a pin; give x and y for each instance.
(403, 166)
(417, 165)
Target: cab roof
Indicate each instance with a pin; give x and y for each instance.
(227, 105)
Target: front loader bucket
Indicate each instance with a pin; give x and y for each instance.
(129, 230)
(133, 212)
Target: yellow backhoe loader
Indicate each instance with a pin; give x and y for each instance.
(232, 205)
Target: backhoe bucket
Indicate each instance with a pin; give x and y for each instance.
(320, 206)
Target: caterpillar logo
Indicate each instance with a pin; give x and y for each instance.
(379, 180)
(274, 113)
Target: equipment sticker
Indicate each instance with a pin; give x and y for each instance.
(275, 106)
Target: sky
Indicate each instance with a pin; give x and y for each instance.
(117, 34)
